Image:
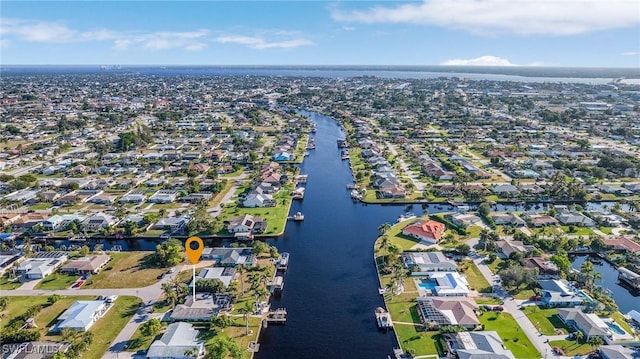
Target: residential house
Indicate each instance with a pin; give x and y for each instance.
(283, 156)
(224, 274)
(541, 220)
(179, 341)
(504, 190)
(255, 199)
(464, 219)
(428, 231)
(247, 224)
(206, 306)
(98, 221)
(8, 259)
(507, 247)
(558, 293)
(436, 312)
(81, 315)
(163, 196)
(86, 265)
(60, 222)
(444, 284)
(173, 224)
(507, 219)
(230, 256)
(618, 352)
(546, 268)
(588, 323)
(421, 262)
(135, 196)
(622, 243)
(481, 345)
(569, 218)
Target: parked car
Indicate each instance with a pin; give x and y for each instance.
(497, 308)
(172, 270)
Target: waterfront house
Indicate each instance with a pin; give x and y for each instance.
(177, 342)
(86, 265)
(546, 268)
(428, 231)
(622, 243)
(230, 256)
(568, 218)
(617, 352)
(255, 199)
(60, 222)
(172, 224)
(81, 315)
(558, 293)
(508, 219)
(247, 224)
(588, 323)
(41, 264)
(541, 220)
(444, 284)
(464, 219)
(504, 190)
(481, 345)
(98, 221)
(436, 312)
(421, 262)
(224, 274)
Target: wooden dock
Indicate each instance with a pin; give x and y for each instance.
(278, 316)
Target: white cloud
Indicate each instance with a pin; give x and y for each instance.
(486, 60)
(57, 32)
(259, 42)
(630, 53)
(550, 17)
(348, 28)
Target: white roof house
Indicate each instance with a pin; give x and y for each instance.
(223, 274)
(180, 338)
(477, 345)
(81, 315)
(38, 268)
(449, 284)
(427, 262)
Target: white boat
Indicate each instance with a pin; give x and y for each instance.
(298, 216)
(405, 216)
(383, 318)
(355, 194)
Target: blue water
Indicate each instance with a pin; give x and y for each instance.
(426, 284)
(616, 329)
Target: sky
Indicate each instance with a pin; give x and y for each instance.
(585, 33)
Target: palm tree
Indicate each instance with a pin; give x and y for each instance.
(383, 228)
(595, 341)
(241, 269)
(384, 242)
(245, 311)
(579, 335)
(170, 294)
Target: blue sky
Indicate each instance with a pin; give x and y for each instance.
(595, 33)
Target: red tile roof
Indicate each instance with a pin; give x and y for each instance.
(625, 243)
(429, 229)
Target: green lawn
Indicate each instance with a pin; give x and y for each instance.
(140, 342)
(108, 327)
(413, 339)
(236, 332)
(276, 217)
(496, 265)
(57, 281)
(6, 284)
(488, 300)
(571, 347)
(578, 231)
(396, 237)
(126, 270)
(17, 306)
(172, 205)
(476, 280)
(509, 331)
(41, 206)
(524, 294)
(545, 320)
(606, 230)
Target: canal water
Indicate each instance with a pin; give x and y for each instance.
(331, 287)
(625, 299)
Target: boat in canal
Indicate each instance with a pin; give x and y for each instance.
(405, 216)
(298, 216)
(383, 318)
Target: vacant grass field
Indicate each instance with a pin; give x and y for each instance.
(571, 347)
(57, 281)
(126, 270)
(7, 284)
(476, 280)
(509, 331)
(107, 328)
(413, 339)
(545, 320)
(488, 300)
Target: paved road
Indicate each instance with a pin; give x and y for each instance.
(417, 185)
(148, 294)
(511, 306)
(227, 197)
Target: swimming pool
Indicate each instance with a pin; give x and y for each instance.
(426, 284)
(616, 328)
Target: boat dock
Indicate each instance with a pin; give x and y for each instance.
(278, 316)
(283, 262)
(277, 285)
(383, 318)
(298, 193)
(629, 277)
(302, 178)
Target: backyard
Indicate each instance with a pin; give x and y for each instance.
(509, 331)
(546, 320)
(126, 270)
